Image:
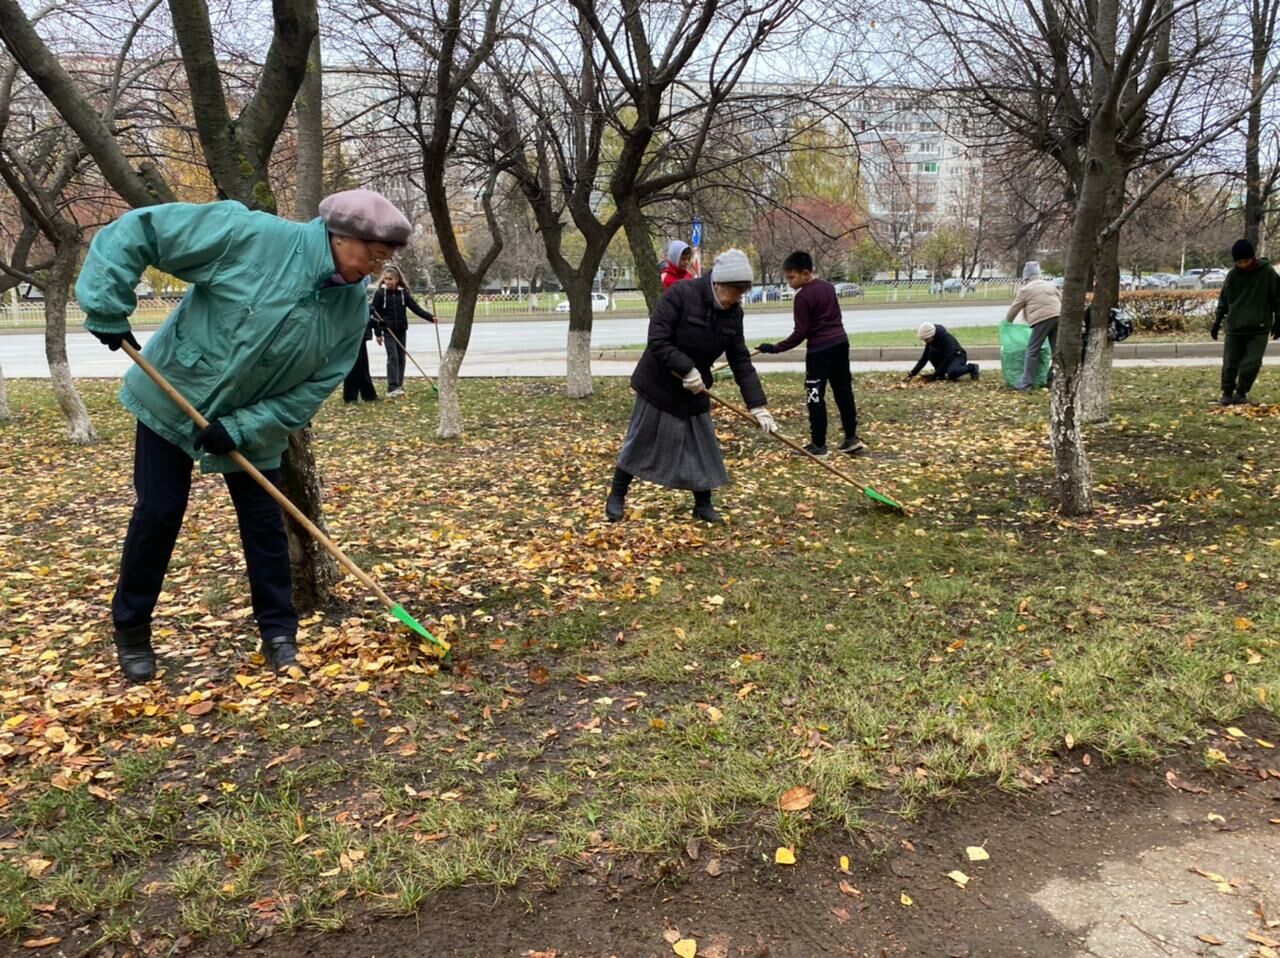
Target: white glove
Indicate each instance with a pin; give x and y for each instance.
(765, 419)
(693, 382)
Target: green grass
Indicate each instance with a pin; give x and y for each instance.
(622, 689)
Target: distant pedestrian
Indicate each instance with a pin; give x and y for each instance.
(1042, 303)
(944, 351)
(359, 382)
(671, 439)
(820, 323)
(1249, 306)
(391, 304)
(676, 266)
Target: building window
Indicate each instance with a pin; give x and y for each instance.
(930, 166)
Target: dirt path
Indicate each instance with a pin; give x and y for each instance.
(1117, 863)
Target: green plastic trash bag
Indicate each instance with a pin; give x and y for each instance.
(1013, 350)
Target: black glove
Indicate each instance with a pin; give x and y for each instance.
(431, 317)
(766, 348)
(113, 341)
(215, 439)
(1213, 331)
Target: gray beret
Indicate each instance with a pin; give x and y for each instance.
(365, 215)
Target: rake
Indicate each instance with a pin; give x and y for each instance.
(394, 339)
(441, 647)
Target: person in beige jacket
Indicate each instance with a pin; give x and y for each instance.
(1042, 303)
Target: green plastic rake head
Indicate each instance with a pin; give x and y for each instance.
(876, 496)
(440, 645)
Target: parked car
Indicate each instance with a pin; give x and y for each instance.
(1201, 278)
(763, 294)
(953, 284)
(1159, 281)
(1057, 281)
(599, 303)
(1128, 281)
(786, 292)
(1213, 279)
(848, 290)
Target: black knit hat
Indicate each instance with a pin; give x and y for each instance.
(1242, 249)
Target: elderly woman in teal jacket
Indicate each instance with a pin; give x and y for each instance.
(272, 322)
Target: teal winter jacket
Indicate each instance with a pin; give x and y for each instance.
(256, 342)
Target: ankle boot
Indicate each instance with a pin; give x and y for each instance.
(704, 510)
(134, 653)
(281, 652)
(615, 507)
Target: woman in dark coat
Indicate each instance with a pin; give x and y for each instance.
(359, 382)
(391, 301)
(671, 439)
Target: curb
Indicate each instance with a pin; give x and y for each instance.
(909, 354)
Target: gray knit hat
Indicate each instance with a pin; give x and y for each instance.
(926, 331)
(732, 266)
(365, 215)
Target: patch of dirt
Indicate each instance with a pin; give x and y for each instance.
(1072, 824)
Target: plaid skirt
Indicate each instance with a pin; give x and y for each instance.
(672, 451)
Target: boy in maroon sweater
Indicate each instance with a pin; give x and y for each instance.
(818, 320)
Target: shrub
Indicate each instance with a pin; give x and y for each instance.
(1170, 310)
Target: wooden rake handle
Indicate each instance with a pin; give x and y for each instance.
(388, 331)
(790, 443)
(238, 458)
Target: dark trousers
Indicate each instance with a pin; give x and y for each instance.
(162, 481)
(1241, 361)
(1045, 329)
(359, 382)
(395, 356)
(829, 365)
(960, 366)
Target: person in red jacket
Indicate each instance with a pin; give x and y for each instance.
(819, 320)
(676, 268)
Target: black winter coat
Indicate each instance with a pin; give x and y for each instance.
(388, 308)
(687, 329)
(941, 351)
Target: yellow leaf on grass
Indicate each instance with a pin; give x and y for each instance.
(1264, 743)
(797, 799)
(1235, 732)
(977, 853)
(1243, 624)
(905, 899)
(685, 948)
(1215, 755)
(714, 714)
(187, 729)
(959, 877)
(784, 856)
(844, 864)
(679, 633)
(244, 681)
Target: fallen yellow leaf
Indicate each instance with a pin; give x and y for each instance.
(1215, 755)
(977, 853)
(844, 864)
(1235, 732)
(784, 856)
(905, 899)
(959, 877)
(685, 948)
(797, 799)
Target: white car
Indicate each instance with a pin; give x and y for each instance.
(599, 303)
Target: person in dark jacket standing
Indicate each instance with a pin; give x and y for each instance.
(359, 382)
(671, 439)
(944, 351)
(818, 320)
(392, 302)
(1249, 306)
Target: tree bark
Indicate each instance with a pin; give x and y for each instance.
(309, 115)
(1099, 350)
(578, 384)
(648, 277)
(450, 426)
(314, 570)
(56, 294)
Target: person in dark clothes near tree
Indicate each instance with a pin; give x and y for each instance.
(671, 439)
(391, 305)
(1249, 307)
(944, 351)
(359, 382)
(819, 321)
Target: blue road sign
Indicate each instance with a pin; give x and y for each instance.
(695, 238)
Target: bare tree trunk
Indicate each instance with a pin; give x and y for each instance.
(4, 398)
(56, 294)
(309, 115)
(578, 384)
(1099, 351)
(648, 278)
(314, 570)
(450, 426)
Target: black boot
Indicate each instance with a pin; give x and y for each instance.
(134, 653)
(281, 652)
(615, 507)
(974, 372)
(1227, 399)
(703, 509)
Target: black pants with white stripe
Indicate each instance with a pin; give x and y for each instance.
(829, 365)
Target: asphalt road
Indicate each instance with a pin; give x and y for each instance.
(532, 348)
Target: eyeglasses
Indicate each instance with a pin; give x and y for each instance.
(379, 261)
